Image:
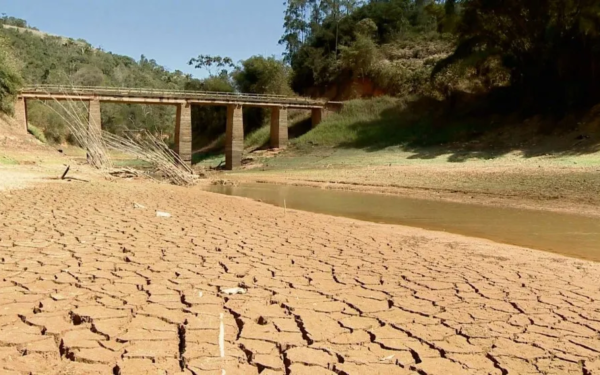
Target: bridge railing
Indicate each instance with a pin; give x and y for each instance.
(155, 93)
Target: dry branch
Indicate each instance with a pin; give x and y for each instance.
(97, 142)
(155, 152)
(87, 135)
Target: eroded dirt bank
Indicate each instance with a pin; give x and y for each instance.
(92, 284)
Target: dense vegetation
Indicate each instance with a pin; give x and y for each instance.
(550, 49)
(514, 56)
(10, 80)
(345, 48)
(542, 55)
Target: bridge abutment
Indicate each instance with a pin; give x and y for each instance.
(279, 127)
(319, 114)
(21, 113)
(183, 132)
(234, 140)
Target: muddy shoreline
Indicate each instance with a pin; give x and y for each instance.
(576, 194)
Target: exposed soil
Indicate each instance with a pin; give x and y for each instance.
(93, 283)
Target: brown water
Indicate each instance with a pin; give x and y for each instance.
(571, 235)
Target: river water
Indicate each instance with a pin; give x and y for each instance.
(571, 235)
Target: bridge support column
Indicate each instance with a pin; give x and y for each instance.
(279, 127)
(21, 114)
(317, 116)
(183, 132)
(234, 142)
(94, 117)
(95, 130)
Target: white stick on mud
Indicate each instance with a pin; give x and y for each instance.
(222, 337)
(222, 340)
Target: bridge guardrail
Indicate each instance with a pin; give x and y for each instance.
(182, 94)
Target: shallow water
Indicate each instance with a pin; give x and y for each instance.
(571, 235)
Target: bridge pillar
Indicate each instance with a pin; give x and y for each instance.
(21, 113)
(183, 132)
(234, 140)
(317, 116)
(279, 127)
(94, 117)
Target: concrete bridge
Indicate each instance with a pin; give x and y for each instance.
(183, 101)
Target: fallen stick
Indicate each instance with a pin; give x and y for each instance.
(65, 172)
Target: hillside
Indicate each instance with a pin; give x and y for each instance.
(41, 58)
(37, 57)
(42, 34)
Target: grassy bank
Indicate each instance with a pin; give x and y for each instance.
(389, 130)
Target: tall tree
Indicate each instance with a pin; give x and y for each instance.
(296, 24)
(305, 18)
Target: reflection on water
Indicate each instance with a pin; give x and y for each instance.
(571, 235)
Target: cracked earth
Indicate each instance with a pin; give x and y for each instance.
(91, 284)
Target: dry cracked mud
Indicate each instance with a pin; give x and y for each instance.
(91, 284)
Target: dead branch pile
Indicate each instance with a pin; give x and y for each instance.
(126, 173)
(97, 143)
(155, 152)
(88, 136)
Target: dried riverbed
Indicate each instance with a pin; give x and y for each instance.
(92, 283)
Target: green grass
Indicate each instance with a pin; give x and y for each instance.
(257, 138)
(378, 123)
(208, 160)
(348, 126)
(5, 160)
(37, 133)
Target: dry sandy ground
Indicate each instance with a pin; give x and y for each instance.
(91, 284)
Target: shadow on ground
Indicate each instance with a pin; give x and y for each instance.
(214, 150)
(475, 128)
(296, 130)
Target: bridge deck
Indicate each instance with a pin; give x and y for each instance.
(154, 96)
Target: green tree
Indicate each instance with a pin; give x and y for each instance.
(360, 56)
(549, 47)
(305, 18)
(12, 21)
(88, 75)
(208, 62)
(263, 75)
(296, 24)
(316, 63)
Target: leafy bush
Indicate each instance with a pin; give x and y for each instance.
(263, 75)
